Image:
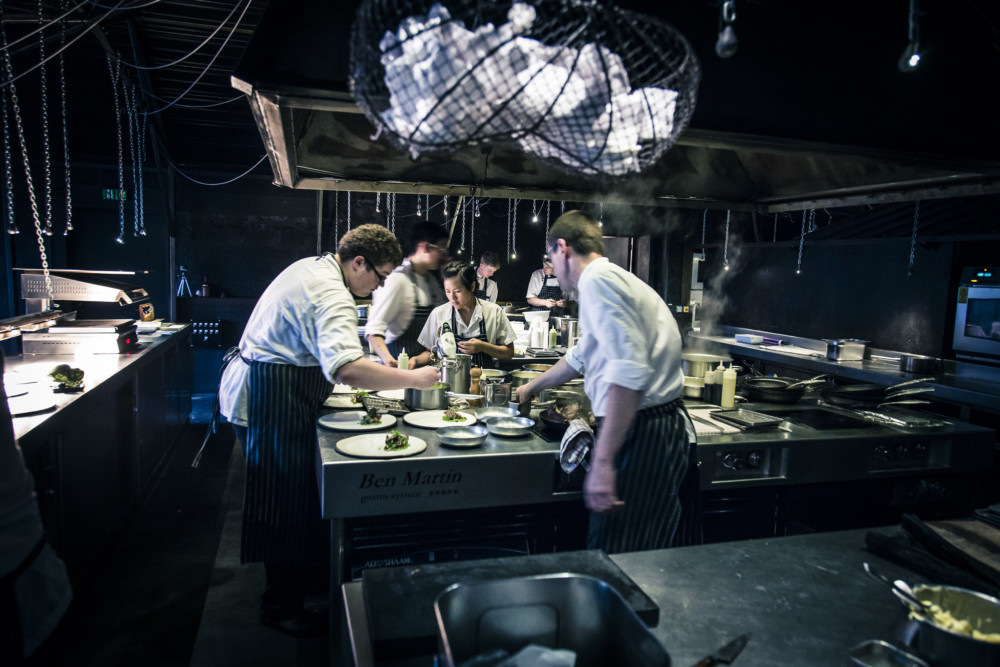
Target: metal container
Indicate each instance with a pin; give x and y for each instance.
(569, 330)
(541, 368)
(463, 436)
(488, 413)
(845, 349)
(435, 398)
(695, 364)
(693, 387)
(877, 653)
(917, 363)
(518, 378)
(510, 427)
(455, 372)
(493, 375)
(945, 648)
(563, 611)
(362, 311)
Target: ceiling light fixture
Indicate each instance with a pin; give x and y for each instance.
(911, 54)
(726, 44)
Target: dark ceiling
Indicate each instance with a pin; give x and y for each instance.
(806, 74)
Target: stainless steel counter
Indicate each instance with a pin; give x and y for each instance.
(805, 599)
(962, 383)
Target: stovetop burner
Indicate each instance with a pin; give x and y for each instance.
(819, 419)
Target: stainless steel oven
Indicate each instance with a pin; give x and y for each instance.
(977, 315)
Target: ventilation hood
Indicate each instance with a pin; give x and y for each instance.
(783, 125)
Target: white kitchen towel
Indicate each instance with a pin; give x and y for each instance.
(575, 446)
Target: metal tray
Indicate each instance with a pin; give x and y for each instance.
(392, 406)
(747, 419)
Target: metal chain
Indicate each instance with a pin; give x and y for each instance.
(8, 68)
(725, 244)
(44, 94)
(348, 210)
(475, 207)
(445, 200)
(775, 238)
(545, 241)
(427, 205)
(812, 220)
(128, 92)
(913, 239)
(419, 213)
(336, 216)
(8, 166)
(513, 227)
(115, 77)
(534, 210)
(392, 212)
(802, 241)
(142, 162)
(465, 210)
(63, 6)
(378, 201)
(472, 229)
(600, 219)
(704, 223)
(562, 208)
(509, 202)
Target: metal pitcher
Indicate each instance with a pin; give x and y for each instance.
(569, 331)
(455, 372)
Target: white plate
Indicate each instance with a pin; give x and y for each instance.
(342, 401)
(30, 404)
(343, 389)
(435, 419)
(372, 446)
(16, 390)
(397, 394)
(351, 421)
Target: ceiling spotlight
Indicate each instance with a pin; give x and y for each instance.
(911, 54)
(725, 45)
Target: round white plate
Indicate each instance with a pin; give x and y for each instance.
(14, 378)
(351, 421)
(435, 419)
(397, 394)
(343, 389)
(16, 390)
(30, 404)
(372, 446)
(342, 401)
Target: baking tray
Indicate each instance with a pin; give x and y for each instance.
(747, 419)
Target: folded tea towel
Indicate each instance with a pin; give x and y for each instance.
(575, 447)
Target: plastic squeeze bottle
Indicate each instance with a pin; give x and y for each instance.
(709, 394)
(728, 388)
(403, 360)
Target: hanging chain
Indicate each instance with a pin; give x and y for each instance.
(534, 210)
(913, 239)
(142, 161)
(115, 77)
(9, 69)
(472, 229)
(392, 212)
(128, 92)
(427, 205)
(725, 243)
(348, 210)
(812, 220)
(63, 6)
(8, 167)
(465, 209)
(513, 227)
(378, 200)
(44, 94)
(475, 207)
(545, 241)
(802, 241)
(774, 239)
(445, 200)
(600, 219)
(704, 223)
(419, 213)
(336, 216)
(509, 206)
(562, 206)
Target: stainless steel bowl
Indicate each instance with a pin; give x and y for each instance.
(488, 413)
(509, 426)
(462, 436)
(435, 398)
(540, 368)
(946, 648)
(493, 375)
(518, 378)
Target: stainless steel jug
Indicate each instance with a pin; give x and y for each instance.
(455, 372)
(569, 331)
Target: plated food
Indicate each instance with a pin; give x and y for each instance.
(438, 418)
(374, 445)
(355, 420)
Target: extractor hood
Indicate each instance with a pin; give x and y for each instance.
(765, 136)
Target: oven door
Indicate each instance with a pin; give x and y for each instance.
(977, 321)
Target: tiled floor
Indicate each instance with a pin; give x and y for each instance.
(172, 592)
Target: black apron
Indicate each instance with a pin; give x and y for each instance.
(651, 466)
(550, 292)
(481, 293)
(480, 359)
(281, 512)
(408, 339)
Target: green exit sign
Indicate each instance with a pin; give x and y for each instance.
(113, 194)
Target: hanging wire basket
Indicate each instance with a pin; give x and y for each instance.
(589, 88)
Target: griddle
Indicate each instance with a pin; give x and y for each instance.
(399, 601)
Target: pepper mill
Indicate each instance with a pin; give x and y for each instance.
(475, 375)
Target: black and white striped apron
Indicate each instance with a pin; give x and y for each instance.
(480, 359)
(651, 464)
(281, 512)
(550, 292)
(481, 292)
(408, 339)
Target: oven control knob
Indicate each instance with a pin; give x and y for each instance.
(883, 452)
(754, 459)
(902, 451)
(732, 461)
(919, 451)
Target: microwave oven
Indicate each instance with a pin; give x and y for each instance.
(977, 315)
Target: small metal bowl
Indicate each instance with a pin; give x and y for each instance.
(509, 426)
(538, 368)
(462, 436)
(488, 413)
(493, 374)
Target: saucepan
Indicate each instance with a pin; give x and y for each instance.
(778, 389)
(945, 635)
(435, 398)
(914, 363)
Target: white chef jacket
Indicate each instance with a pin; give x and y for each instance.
(306, 317)
(535, 282)
(498, 328)
(627, 337)
(392, 304)
(491, 288)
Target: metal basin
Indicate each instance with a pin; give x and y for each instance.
(488, 413)
(510, 427)
(518, 378)
(946, 648)
(696, 363)
(463, 436)
(493, 375)
(540, 368)
(563, 611)
(435, 398)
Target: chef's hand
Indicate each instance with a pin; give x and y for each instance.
(470, 346)
(549, 303)
(523, 393)
(600, 489)
(425, 377)
(561, 303)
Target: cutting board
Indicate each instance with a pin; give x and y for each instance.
(400, 600)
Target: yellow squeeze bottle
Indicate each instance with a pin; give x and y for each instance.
(403, 360)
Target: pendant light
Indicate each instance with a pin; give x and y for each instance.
(802, 241)
(910, 58)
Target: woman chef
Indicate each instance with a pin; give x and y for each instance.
(544, 292)
(480, 328)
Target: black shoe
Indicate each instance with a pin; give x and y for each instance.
(302, 624)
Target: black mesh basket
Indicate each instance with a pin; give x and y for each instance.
(589, 88)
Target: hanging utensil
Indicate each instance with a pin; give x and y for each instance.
(726, 654)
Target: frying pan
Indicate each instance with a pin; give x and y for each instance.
(855, 395)
(772, 390)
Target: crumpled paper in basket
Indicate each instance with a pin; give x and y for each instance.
(575, 447)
